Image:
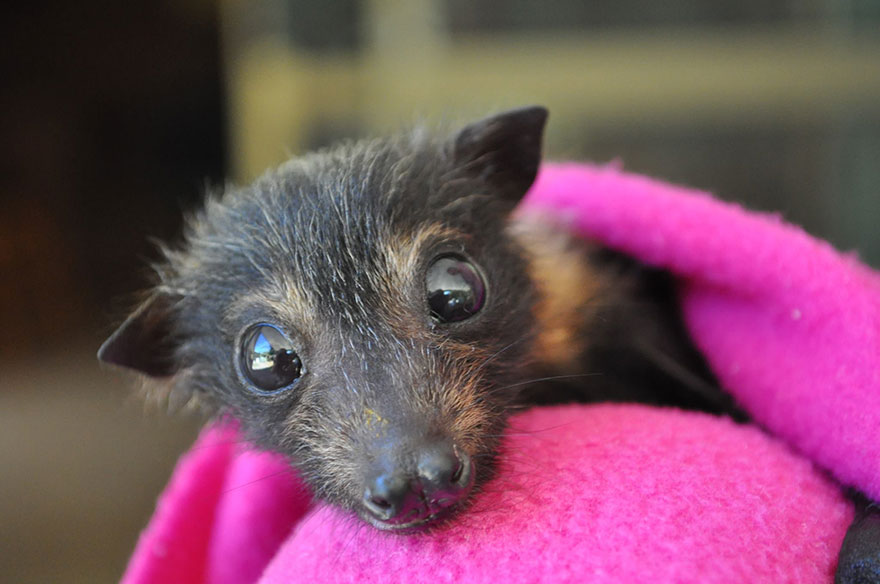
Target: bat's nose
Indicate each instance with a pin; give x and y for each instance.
(400, 497)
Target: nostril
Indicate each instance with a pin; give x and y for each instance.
(378, 505)
(389, 496)
(456, 474)
(444, 468)
(464, 471)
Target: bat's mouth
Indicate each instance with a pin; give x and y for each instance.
(418, 523)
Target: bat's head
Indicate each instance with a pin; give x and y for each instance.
(361, 310)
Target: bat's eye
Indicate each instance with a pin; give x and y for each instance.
(268, 360)
(455, 289)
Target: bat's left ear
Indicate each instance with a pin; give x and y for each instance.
(145, 342)
(504, 150)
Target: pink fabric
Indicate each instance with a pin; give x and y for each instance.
(261, 502)
(222, 517)
(174, 548)
(608, 493)
(790, 326)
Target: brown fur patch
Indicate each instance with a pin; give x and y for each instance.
(472, 416)
(568, 288)
(284, 298)
(404, 250)
(404, 253)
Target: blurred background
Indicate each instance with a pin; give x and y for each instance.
(116, 116)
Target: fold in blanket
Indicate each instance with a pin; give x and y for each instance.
(791, 328)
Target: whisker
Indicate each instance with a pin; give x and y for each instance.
(269, 476)
(540, 379)
(497, 353)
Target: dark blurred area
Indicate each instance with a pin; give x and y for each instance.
(111, 124)
(112, 117)
(116, 116)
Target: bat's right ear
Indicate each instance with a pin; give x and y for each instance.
(145, 341)
(504, 150)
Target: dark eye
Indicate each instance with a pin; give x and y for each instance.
(268, 359)
(455, 289)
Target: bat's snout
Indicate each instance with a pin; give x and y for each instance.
(411, 493)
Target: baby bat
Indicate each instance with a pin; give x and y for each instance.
(374, 312)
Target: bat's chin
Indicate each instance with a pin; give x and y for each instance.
(415, 524)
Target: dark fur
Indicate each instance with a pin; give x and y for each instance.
(316, 247)
(333, 248)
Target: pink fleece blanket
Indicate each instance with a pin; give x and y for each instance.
(607, 493)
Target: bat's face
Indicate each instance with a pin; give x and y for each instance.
(362, 311)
